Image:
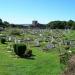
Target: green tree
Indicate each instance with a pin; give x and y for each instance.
(0, 21)
(70, 24)
(57, 24)
(6, 23)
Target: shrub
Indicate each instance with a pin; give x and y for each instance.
(64, 58)
(3, 41)
(67, 47)
(28, 53)
(19, 49)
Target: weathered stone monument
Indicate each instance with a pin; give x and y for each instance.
(36, 43)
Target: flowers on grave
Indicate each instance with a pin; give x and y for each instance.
(49, 46)
(70, 51)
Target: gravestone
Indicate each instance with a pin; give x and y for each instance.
(40, 35)
(50, 46)
(36, 43)
(72, 43)
(67, 42)
(16, 41)
(8, 38)
(52, 39)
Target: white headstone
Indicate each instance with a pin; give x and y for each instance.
(9, 38)
(15, 40)
(36, 42)
(18, 41)
(52, 39)
(40, 34)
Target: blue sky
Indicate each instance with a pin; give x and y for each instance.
(24, 11)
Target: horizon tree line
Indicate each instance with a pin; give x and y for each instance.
(51, 25)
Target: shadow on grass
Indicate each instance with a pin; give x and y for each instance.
(28, 57)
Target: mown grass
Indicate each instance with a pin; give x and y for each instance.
(42, 64)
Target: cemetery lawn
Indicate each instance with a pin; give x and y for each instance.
(42, 64)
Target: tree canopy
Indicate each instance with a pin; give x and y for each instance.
(52, 25)
(62, 24)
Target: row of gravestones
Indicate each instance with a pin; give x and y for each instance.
(36, 42)
(34, 31)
